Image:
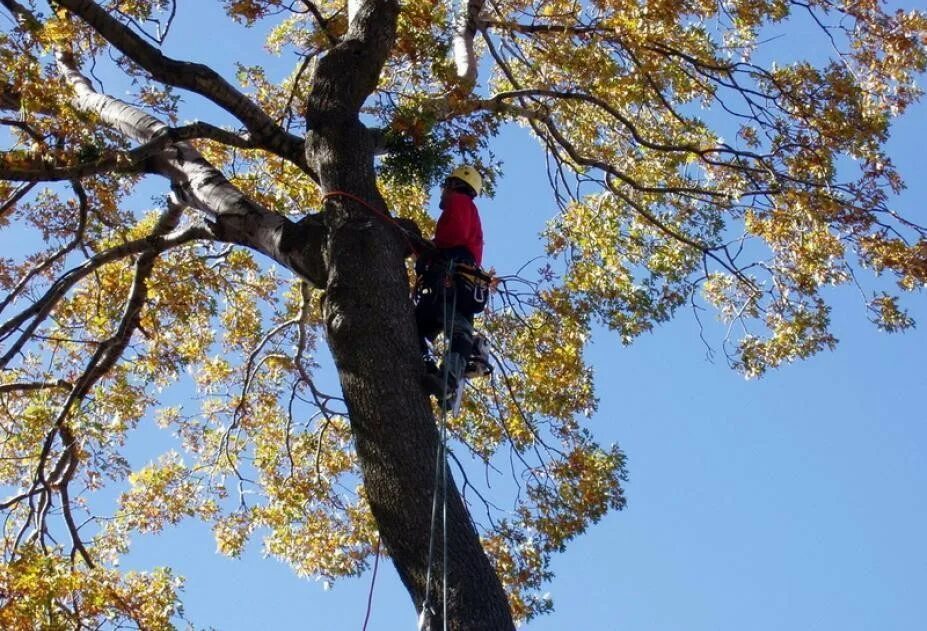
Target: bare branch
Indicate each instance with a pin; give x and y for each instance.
(197, 78)
(465, 27)
(32, 386)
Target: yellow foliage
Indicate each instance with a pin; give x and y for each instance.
(46, 590)
(625, 94)
(163, 493)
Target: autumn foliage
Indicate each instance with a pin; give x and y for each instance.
(692, 162)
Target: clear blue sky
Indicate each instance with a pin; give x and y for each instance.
(793, 502)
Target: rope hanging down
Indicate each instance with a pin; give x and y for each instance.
(416, 245)
(440, 483)
(373, 581)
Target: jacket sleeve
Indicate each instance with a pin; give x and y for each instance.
(454, 223)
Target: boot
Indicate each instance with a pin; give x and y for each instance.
(478, 363)
(432, 379)
(455, 372)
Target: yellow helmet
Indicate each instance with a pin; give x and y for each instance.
(469, 175)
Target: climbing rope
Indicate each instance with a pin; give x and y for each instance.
(441, 473)
(373, 581)
(417, 244)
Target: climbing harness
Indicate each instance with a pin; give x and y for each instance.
(474, 286)
(471, 284)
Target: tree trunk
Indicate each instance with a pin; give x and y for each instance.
(371, 333)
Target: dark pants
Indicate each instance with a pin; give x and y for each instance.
(437, 311)
(430, 318)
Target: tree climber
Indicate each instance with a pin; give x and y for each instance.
(451, 289)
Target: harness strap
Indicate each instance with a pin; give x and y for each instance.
(474, 272)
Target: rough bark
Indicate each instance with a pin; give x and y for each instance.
(372, 337)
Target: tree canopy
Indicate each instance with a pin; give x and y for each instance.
(691, 161)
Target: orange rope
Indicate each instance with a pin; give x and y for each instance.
(384, 215)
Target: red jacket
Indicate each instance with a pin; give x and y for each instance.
(459, 225)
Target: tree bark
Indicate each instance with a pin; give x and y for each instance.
(372, 337)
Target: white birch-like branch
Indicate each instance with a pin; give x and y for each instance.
(197, 78)
(237, 218)
(465, 27)
(353, 6)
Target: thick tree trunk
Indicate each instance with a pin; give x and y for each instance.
(372, 338)
(371, 335)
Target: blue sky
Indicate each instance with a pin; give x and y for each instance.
(796, 501)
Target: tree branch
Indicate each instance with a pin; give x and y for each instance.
(39, 310)
(17, 195)
(349, 73)
(43, 169)
(21, 13)
(48, 262)
(197, 78)
(208, 131)
(34, 385)
(9, 98)
(532, 29)
(76, 543)
(236, 217)
(465, 27)
(322, 21)
(101, 362)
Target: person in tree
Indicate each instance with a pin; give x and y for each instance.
(448, 296)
